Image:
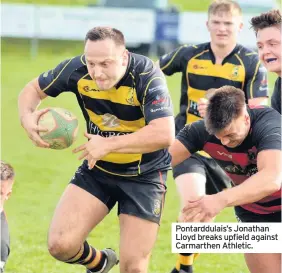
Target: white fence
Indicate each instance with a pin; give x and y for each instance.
(72, 23)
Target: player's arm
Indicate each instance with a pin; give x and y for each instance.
(173, 62)
(265, 182)
(268, 178)
(49, 83)
(256, 86)
(188, 141)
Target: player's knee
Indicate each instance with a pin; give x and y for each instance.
(132, 266)
(59, 248)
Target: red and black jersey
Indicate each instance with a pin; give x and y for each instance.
(240, 162)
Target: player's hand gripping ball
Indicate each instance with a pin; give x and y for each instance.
(62, 128)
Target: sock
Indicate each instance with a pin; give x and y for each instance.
(93, 259)
(185, 263)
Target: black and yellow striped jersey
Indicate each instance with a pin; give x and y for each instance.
(241, 68)
(140, 97)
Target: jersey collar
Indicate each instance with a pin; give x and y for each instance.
(236, 49)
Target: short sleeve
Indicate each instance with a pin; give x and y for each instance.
(267, 131)
(193, 136)
(156, 101)
(55, 81)
(174, 61)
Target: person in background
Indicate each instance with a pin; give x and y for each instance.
(7, 181)
(267, 27)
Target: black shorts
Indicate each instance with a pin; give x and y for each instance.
(141, 196)
(217, 179)
(5, 241)
(247, 216)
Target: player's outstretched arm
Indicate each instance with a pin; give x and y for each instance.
(28, 101)
(264, 183)
(178, 153)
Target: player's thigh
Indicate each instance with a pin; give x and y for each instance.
(190, 179)
(263, 262)
(84, 203)
(140, 208)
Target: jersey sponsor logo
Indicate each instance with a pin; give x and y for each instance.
(224, 154)
(252, 154)
(95, 130)
(263, 84)
(159, 109)
(196, 66)
(264, 81)
(238, 170)
(234, 169)
(235, 72)
(156, 88)
(193, 108)
(130, 96)
(160, 100)
(86, 88)
(110, 120)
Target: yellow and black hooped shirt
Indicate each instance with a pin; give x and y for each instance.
(241, 68)
(140, 97)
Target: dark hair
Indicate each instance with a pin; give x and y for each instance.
(225, 104)
(219, 6)
(267, 19)
(7, 171)
(103, 33)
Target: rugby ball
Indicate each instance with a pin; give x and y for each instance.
(62, 128)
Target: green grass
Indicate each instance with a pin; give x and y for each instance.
(42, 175)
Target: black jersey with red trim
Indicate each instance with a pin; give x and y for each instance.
(240, 162)
(241, 69)
(140, 97)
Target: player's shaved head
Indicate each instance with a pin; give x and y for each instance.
(104, 33)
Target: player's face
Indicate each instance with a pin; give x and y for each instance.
(269, 48)
(235, 133)
(106, 62)
(224, 28)
(6, 190)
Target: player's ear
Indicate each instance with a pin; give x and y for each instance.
(241, 26)
(125, 57)
(207, 25)
(247, 119)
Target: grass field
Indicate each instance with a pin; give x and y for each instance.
(42, 176)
